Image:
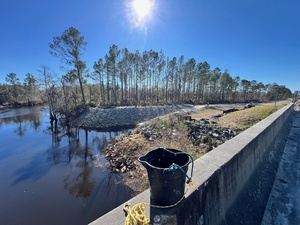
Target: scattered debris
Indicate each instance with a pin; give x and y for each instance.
(123, 151)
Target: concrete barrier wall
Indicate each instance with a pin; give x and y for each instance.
(234, 180)
(236, 191)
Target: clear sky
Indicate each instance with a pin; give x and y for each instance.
(254, 39)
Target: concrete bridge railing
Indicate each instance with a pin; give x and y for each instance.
(234, 180)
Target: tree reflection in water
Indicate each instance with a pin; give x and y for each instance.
(71, 163)
(20, 129)
(83, 154)
(22, 121)
(80, 185)
(27, 113)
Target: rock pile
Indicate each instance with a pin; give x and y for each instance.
(208, 134)
(114, 118)
(202, 132)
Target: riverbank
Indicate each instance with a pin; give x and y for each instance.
(178, 131)
(21, 105)
(192, 129)
(195, 132)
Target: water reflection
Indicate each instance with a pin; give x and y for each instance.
(81, 151)
(63, 166)
(77, 143)
(22, 121)
(34, 170)
(18, 122)
(80, 185)
(21, 129)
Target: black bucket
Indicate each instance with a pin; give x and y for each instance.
(167, 173)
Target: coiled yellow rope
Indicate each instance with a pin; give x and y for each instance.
(137, 216)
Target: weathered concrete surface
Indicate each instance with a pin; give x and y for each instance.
(238, 190)
(117, 216)
(284, 202)
(234, 180)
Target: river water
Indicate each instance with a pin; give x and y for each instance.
(45, 180)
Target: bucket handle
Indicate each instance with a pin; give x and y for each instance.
(174, 166)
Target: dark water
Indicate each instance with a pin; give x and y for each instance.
(43, 181)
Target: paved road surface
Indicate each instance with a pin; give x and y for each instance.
(283, 207)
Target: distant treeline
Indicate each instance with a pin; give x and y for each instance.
(125, 78)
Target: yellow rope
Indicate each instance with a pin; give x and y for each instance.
(137, 216)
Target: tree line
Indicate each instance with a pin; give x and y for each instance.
(129, 78)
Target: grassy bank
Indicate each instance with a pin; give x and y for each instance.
(243, 119)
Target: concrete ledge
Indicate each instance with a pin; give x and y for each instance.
(234, 180)
(117, 215)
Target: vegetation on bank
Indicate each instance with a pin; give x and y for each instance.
(174, 133)
(243, 119)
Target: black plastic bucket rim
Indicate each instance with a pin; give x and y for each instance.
(155, 157)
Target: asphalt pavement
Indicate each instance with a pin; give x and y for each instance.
(283, 207)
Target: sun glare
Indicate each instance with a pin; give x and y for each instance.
(140, 13)
(142, 8)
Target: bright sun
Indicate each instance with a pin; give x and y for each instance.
(142, 8)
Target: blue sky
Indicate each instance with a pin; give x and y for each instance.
(254, 39)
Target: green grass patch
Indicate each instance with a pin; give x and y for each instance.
(245, 118)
